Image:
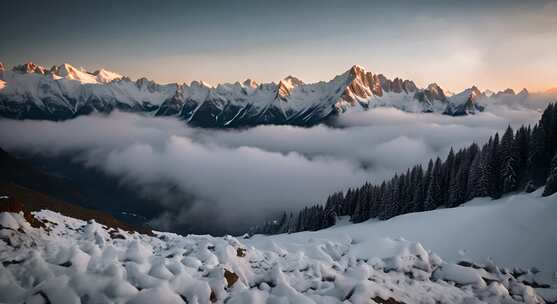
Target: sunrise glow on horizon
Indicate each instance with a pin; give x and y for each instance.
(503, 44)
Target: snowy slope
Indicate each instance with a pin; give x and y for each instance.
(516, 230)
(72, 261)
(63, 92)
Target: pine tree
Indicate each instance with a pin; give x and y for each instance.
(414, 189)
(474, 174)
(494, 169)
(548, 122)
(481, 175)
(551, 183)
(538, 159)
(357, 216)
(508, 166)
(422, 195)
(291, 226)
(520, 152)
(448, 172)
(459, 185)
(385, 211)
(434, 196)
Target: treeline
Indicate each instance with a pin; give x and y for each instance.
(521, 160)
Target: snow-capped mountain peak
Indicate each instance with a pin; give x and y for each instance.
(465, 102)
(293, 81)
(435, 92)
(65, 92)
(523, 92)
(488, 92)
(475, 92)
(286, 85)
(509, 91)
(106, 76)
(468, 95)
(283, 89)
(250, 83)
(68, 71)
(357, 69)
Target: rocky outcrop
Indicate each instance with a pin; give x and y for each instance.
(30, 67)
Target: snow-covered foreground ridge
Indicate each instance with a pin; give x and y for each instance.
(30, 91)
(72, 261)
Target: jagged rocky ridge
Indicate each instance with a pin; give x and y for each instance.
(30, 91)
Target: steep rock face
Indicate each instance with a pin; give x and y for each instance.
(29, 67)
(364, 85)
(433, 98)
(283, 90)
(375, 90)
(30, 91)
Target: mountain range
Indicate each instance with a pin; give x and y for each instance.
(30, 91)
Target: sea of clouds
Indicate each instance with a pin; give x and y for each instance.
(237, 178)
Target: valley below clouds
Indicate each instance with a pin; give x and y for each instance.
(238, 178)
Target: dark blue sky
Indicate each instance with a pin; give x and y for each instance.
(456, 43)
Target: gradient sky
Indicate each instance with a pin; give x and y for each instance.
(493, 44)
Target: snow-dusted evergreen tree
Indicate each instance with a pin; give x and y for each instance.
(481, 177)
(456, 193)
(414, 181)
(551, 183)
(291, 226)
(521, 151)
(424, 187)
(474, 174)
(434, 197)
(548, 122)
(508, 162)
(538, 160)
(388, 198)
(459, 183)
(448, 172)
(494, 168)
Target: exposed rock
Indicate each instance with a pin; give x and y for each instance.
(397, 85)
(283, 90)
(241, 252)
(250, 83)
(293, 81)
(380, 300)
(29, 67)
(435, 92)
(230, 277)
(146, 83)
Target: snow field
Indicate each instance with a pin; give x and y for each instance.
(72, 261)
